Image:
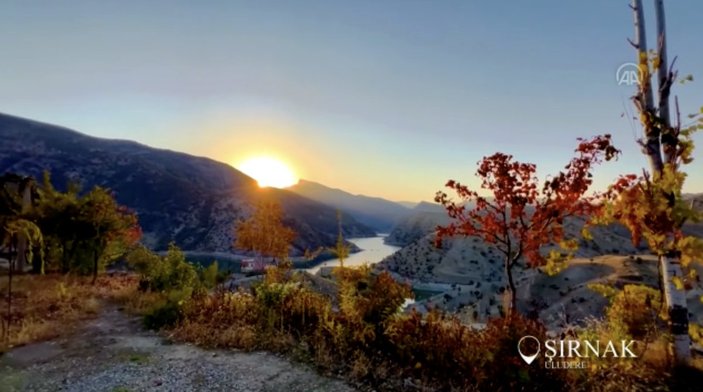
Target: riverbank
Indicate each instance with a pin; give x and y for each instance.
(373, 250)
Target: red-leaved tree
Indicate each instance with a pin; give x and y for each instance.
(519, 217)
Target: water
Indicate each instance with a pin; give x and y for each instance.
(373, 250)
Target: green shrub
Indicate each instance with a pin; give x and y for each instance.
(165, 273)
(634, 312)
(210, 276)
(169, 311)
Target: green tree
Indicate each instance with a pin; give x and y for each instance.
(163, 273)
(85, 232)
(18, 235)
(108, 229)
(56, 213)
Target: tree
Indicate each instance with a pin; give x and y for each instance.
(108, 229)
(56, 213)
(264, 233)
(651, 204)
(341, 249)
(520, 218)
(18, 235)
(89, 231)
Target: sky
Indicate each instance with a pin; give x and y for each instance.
(383, 98)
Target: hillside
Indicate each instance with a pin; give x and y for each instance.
(375, 212)
(423, 220)
(467, 275)
(191, 200)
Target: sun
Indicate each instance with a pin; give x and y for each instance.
(268, 172)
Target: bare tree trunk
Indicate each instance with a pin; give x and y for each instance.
(21, 261)
(662, 69)
(95, 266)
(11, 259)
(675, 298)
(658, 132)
(512, 294)
(644, 98)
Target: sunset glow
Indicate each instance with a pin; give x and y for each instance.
(268, 172)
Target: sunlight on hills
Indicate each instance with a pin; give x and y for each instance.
(268, 172)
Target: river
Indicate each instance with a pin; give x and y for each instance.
(373, 250)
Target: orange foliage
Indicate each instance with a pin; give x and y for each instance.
(521, 216)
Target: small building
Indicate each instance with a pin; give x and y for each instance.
(255, 265)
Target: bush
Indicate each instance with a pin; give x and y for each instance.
(164, 273)
(361, 333)
(210, 276)
(634, 312)
(168, 310)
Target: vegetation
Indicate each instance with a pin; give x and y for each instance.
(651, 204)
(18, 236)
(264, 233)
(57, 231)
(341, 249)
(521, 216)
(83, 233)
(168, 283)
(362, 334)
(47, 306)
(361, 330)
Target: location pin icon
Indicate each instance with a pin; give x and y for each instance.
(528, 358)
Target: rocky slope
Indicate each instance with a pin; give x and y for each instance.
(193, 201)
(468, 275)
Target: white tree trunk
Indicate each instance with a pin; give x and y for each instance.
(674, 298)
(671, 267)
(663, 69)
(677, 308)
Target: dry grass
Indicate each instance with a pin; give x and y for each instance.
(44, 307)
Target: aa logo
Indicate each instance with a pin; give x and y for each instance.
(628, 74)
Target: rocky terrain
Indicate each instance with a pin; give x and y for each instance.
(468, 275)
(193, 201)
(112, 353)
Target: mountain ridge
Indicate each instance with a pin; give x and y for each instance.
(191, 200)
(375, 212)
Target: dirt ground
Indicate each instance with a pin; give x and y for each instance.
(113, 353)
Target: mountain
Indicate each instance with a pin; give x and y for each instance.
(408, 204)
(423, 220)
(191, 200)
(377, 213)
(696, 200)
(466, 274)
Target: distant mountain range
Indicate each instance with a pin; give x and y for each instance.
(191, 200)
(380, 214)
